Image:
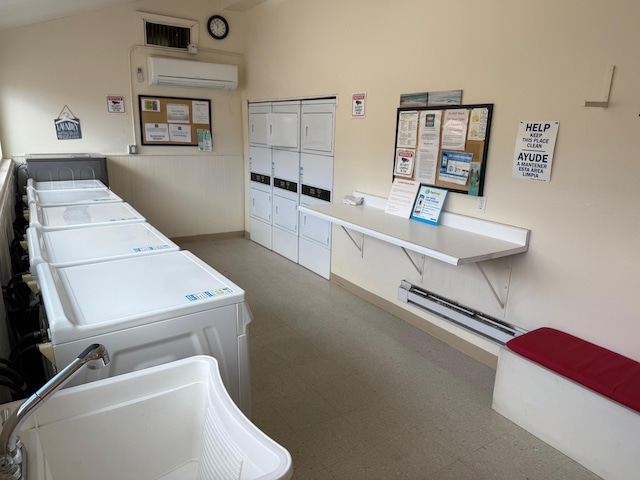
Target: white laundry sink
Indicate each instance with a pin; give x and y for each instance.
(170, 422)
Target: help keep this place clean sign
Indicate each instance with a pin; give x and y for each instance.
(534, 150)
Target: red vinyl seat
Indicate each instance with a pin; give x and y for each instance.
(606, 372)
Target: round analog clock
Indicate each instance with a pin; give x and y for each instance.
(218, 27)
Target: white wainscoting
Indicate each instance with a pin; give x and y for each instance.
(183, 195)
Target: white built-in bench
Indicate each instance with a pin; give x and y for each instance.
(582, 399)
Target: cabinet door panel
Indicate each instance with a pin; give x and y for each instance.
(260, 204)
(258, 123)
(283, 129)
(317, 133)
(285, 213)
(315, 229)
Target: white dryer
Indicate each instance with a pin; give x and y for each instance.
(147, 311)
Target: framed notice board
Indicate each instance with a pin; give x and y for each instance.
(444, 146)
(175, 121)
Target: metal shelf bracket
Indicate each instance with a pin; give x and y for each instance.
(415, 265)
(606, 91)
(493, 290)
(359, 246)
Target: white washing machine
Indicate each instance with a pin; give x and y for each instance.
(64, 248)
(82, 216)
(64, 184)
(147, 311)
(47, 198)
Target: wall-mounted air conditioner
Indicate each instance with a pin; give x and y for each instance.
(189, 73)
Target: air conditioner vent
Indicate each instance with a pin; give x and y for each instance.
(169, 36)
(171, 33)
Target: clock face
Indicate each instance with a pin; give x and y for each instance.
(218, 27)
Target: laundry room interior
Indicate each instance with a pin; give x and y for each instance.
(345, 239)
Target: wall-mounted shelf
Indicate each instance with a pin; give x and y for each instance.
(457, 240)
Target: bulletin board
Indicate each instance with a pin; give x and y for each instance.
(174, 121)
(444, 146)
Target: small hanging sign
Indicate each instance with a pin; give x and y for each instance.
(115, 104)
(358, 105)
(67, 125)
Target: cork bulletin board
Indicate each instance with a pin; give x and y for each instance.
(175, 121)
(444, 146)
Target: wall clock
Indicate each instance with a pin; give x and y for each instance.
(218, 27)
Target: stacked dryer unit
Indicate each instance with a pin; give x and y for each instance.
(108, 277)
(297, 136)
(261, 175)
(316, 177)
(284, 135)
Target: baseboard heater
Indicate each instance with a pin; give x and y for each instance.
(489, 327)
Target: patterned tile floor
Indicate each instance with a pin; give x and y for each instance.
(355, 393)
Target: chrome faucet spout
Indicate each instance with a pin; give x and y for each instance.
(11, 456)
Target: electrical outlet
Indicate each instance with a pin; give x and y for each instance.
(133, 149)
(482, 204)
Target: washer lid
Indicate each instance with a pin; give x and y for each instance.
(71, 197)
(65, 184)
(80, 216)
(95, 244)
(93, 299)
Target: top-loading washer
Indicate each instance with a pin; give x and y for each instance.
(82, 216)
(47, 198)
(65, 184)
(148, 310)
(64, 248)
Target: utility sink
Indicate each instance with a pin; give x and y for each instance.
(170, 422)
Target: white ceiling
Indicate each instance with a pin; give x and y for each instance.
(16, 13)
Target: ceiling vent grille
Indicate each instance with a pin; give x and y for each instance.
(169, 32)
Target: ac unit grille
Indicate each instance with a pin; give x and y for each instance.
(169, 36)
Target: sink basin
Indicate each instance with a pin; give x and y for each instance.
(170, 422)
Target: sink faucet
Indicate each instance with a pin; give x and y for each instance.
(12, 453)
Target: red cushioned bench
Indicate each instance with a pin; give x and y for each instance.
(580, 398)
(597, 368)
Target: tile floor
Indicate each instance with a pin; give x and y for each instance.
(355, 393)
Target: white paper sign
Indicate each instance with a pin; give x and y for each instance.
(358, 105)
(535, 144)
(180, 133)
(454, 129)
(401, 198)
(407, 129)
(115, 104)
(200, 111)
(156, 132)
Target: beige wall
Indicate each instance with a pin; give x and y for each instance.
(534, 61)
(79, 60)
